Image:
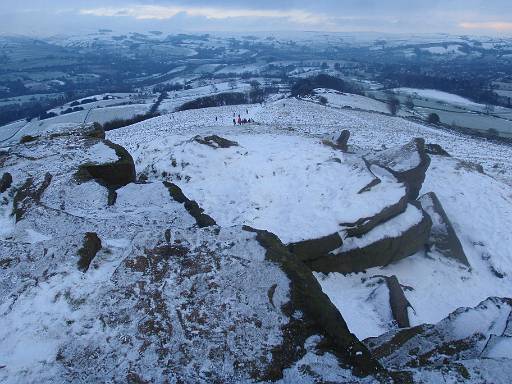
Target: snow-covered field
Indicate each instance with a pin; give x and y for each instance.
(452, 49)
(348, 100)
(437, 95)
(368, 130)
(12, 133)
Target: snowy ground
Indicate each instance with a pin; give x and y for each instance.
(56, 322)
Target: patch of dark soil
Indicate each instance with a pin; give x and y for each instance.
(451, 348)
(469, 166)
(96, 131)
(8, 262)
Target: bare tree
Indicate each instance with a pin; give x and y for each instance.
(393, 105)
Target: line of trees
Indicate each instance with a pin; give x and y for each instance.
(306, 87)
(119, 123)
(474, 89)
(226, 98)
(256, 94)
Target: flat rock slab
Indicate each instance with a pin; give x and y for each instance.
(366, 224)
(292, 186)
(442, 236)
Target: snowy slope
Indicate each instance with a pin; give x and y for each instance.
(368, 130)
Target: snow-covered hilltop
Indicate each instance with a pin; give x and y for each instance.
(317, 243)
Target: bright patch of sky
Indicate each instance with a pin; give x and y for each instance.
(491, 17)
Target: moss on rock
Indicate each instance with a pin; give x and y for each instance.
(5, 182)
(90, 247)
(28, 194)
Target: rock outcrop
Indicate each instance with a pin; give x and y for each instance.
(5, 182)
(29, 194)
(408, 164)
(366, 224)
(323, 317)
(442, 236)
(112, 175)
(342, 140)
(394, 240)
(167, 300)
(90, 247)
(315, 248)
(436, 150)
(397, 301)
(202, 219)
(452, 348)
(215, 141)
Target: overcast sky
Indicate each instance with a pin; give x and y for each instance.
(46, 17)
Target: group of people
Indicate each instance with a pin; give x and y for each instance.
(241, 121)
